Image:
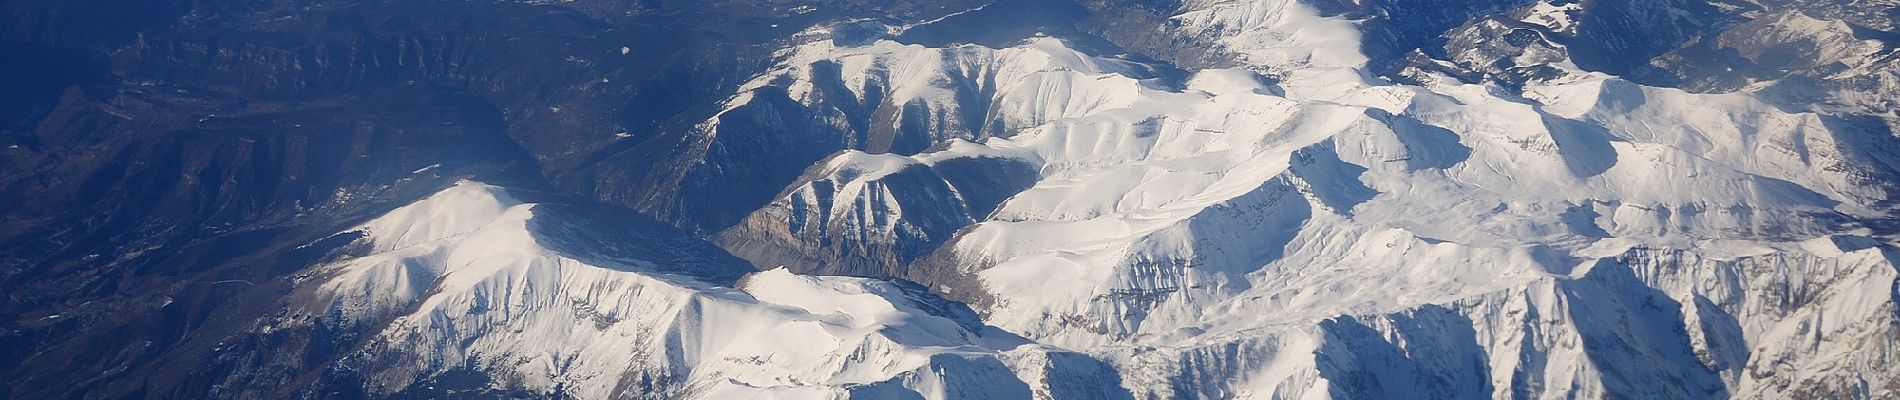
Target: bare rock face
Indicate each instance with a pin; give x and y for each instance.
(858, 215)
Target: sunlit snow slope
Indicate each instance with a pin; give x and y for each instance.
(472, 279)
(1290, 227)
(1297, 228)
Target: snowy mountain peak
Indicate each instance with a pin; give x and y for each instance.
(495, 290)
(464, 208)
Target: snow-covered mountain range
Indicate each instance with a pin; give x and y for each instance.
(1065, 200)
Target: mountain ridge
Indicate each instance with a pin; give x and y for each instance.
(828, 199)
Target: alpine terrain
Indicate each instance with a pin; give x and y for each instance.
(950, 199)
